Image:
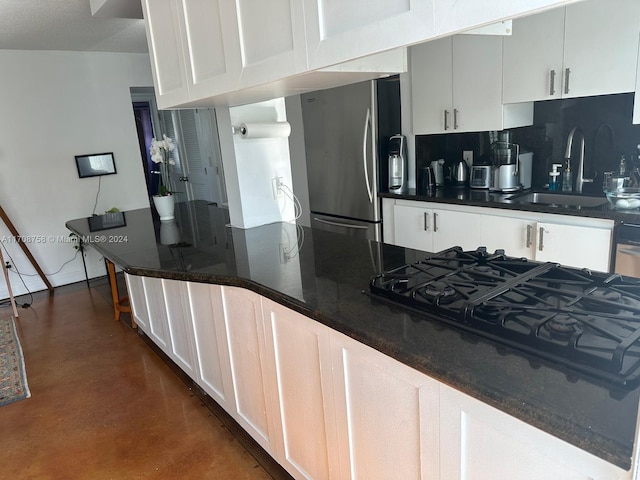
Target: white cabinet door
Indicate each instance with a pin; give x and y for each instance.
(575, 246)
(477, 83)
(137, 301)
(532, 62)
(214, 371)
(454, 228)
(413, 227)
(387, 415)
(478, 442)
(609, 33)
(456, 84)
(158, 323)
(516, 236)
(272, 40)
(163, 19)
(339, 31)
(253, 409)
(301, 359)
(546, 55)
(431, 66)
(211, 47)
(183, 350)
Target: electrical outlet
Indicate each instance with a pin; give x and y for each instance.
(467, 156)
(284, 255)
(276, 186)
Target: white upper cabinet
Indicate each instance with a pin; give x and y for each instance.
(164, 37)
(588, 48)
(194, 48)
(456, 85)
(338, 31)
(211, 46)
(272, 40)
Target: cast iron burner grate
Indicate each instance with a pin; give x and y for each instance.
(586, 321)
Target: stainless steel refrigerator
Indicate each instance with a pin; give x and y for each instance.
(346, 131)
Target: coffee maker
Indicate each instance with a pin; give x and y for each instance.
(398, 164)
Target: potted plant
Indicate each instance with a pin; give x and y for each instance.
(161, 154)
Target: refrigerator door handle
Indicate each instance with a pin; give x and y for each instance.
(367, 122)
(340, 224)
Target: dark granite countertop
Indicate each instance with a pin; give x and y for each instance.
(484, 198)
(324, 276)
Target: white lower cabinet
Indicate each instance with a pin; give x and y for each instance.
(137, 301)
(479, 442)
(572, 241)
(210, 334)
(158, 323)
(386, 415)
(300, 360)
(326, 406)
(182, 341)
(253, 394)
(434, 229)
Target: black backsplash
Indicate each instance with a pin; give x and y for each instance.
(605, 121)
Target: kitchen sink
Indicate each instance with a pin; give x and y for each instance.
(561, 199)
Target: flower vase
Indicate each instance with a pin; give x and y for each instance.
(164, 206)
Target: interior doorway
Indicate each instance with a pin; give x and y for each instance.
(198, 172)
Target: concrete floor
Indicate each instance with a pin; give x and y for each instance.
(104, 405)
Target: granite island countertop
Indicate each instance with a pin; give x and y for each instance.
(325, 276)
(505, 201)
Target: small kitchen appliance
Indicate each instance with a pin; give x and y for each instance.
(426, 181)
(481, 176)
(460, 175)
(583, 322)
(398, 164)
(506, 163)
(438, 171)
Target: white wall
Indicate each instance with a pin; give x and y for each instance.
(251, 164)
(53, 106)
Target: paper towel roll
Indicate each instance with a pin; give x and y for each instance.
(265, 130)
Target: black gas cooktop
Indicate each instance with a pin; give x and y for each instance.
(587, 322)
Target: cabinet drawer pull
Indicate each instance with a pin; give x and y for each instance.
(567, 72)
(455, 118)
(446, 119)
(529, 229)
(541, 240)
(435, 219)
(552, 82)
(426, 221)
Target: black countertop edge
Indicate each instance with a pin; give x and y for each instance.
(558, 426)
(484, 198)
(334, 296)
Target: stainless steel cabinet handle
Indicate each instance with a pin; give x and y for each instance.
(529, 229)
(455, 118)
(567, 72)
(552, 82)
(426, 221)
(339, 224)
(541, 240)
(446, 119)
(435, 224)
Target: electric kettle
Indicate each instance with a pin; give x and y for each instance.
(460, 177)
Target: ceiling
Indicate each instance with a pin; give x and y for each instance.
(68, 25)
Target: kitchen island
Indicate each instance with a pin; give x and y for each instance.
(319, 279)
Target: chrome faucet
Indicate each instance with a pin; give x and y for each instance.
(580, 180)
